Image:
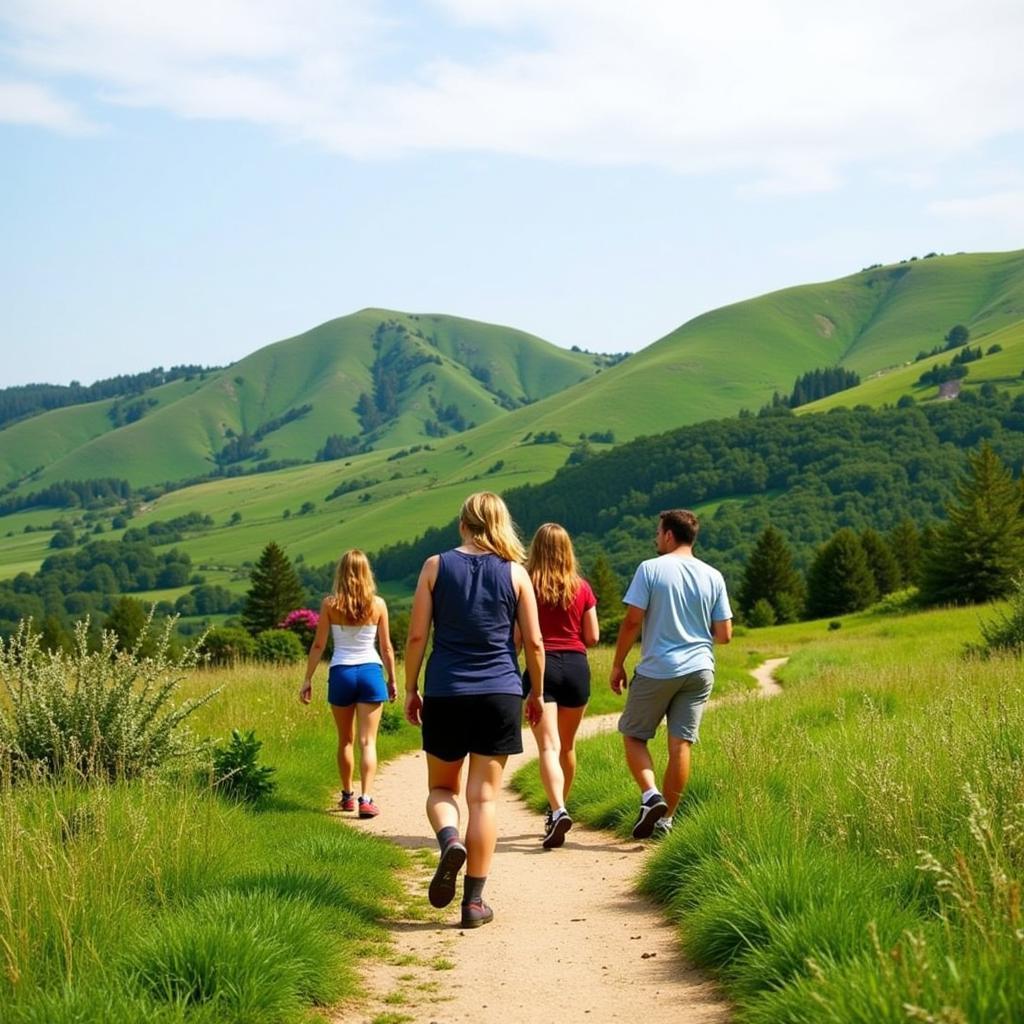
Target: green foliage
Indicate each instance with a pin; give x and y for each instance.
(228, 645)
(882, 562)
(237, 772)
(1005, 632)
(274, 591)
(129, 622)
(761, 614)
(840, 579)
(279, 647)
(770, 576)
(980, 550)
(905, 543)
(607, 589)
(105, 714)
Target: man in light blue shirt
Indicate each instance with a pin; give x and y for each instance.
(683, 607)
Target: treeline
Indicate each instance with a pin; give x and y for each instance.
(97, 493)
(807, 475)
(815, 384)
(244, 446)
(25, 400)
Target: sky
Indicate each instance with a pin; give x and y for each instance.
(187, 182)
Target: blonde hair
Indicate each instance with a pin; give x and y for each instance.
(354, 587)
(486, 519)
(551, 564)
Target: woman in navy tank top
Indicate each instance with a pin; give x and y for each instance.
(474, 597)
(357, 620)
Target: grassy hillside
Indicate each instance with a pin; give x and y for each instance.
(414, 368)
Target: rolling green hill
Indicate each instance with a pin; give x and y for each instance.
(875, 322)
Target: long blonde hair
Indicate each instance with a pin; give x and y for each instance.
(486, 519)
(354, 587)
(551, 564)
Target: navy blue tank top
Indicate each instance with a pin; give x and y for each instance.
(474, 621)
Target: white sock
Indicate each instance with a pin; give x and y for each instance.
(366, 799)
(647, 794)
(557, 814)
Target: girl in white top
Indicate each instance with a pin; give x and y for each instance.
(356, 691)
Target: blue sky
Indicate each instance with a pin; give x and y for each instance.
(185, 183)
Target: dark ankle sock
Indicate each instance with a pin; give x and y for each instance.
(447, 835)
(472, 888)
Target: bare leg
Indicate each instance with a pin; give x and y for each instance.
(482, 797)
(444, 778)
(344, 719)
(568, 723)
(638, 758)
(677, 772)
(545, 732)
(368, 717)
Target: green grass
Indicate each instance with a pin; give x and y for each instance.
(157, 900)
(852, 850)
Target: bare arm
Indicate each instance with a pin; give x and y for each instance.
(628, 632)
(528, 626)
(591, 631)
(387, 650)
(419, 629)
(316, 652)
(722, 631)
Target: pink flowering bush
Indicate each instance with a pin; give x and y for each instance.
(302, 622)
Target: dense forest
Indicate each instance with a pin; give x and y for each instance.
(806, 475)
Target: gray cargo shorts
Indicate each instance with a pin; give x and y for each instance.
(681, 700)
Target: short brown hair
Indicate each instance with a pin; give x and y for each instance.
(681, 523)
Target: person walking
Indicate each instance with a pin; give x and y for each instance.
(357, 620)
(473, 597)
(683, 608)
(567, 611)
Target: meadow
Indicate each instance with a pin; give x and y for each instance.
(853, 850)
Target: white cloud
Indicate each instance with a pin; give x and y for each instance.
(791, 96)
(27, 103)
(1004, 208)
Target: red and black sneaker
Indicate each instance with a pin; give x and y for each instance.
(476, 913)
(367, 808)
(347, 801)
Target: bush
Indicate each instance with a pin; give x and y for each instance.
(279, 646)
(303, 623)
(762, 614)
(98, 714)
(392, 717)
(1005, 633)
(237, 772)
(227, 645)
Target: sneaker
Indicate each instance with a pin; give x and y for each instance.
(442, 886)
(368, 809)
(347, 801)
(662, 828)
(476, 913)
(555, 830)
(652, 810)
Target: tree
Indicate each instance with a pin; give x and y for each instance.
(770, 576)
(608, 591)
(881, 561)
(980, 549)
(128, 620)
(840, 579)
(905, 543)
(958, 335)
(275, 590)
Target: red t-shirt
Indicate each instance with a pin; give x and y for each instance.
(562, 628)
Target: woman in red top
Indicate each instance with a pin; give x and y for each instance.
(567, 610)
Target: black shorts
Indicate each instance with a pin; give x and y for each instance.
(487, 723)
(566, 679)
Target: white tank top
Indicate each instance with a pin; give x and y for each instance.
(354, 645)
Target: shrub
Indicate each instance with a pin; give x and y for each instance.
(279, 646)
(99, 714)
(228, 645)
(392, 717)
(237, 772)
(762, 614)
(303, 623)
(1005, 633)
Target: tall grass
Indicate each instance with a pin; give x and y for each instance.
(156, 900)
(853, 850)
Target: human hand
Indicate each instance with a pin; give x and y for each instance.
(413, 707)
(534, 709)
(392, 691)
(617, 679)
(306, 692)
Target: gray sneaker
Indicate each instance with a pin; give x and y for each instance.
(652, 810)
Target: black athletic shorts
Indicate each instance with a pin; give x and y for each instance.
(487, 723)
(566, 679)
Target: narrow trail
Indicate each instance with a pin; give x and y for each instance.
(571, 940)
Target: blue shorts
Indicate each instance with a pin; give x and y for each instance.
(356, 684)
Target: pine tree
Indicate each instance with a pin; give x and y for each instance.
(771, 576)
(608, 590)
(978, 551)
(274, 592)
(840, 579)
(881, 561)
(905, 543)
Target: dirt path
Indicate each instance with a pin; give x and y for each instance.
(571, 939)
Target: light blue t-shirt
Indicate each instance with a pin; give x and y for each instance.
(681, 597)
